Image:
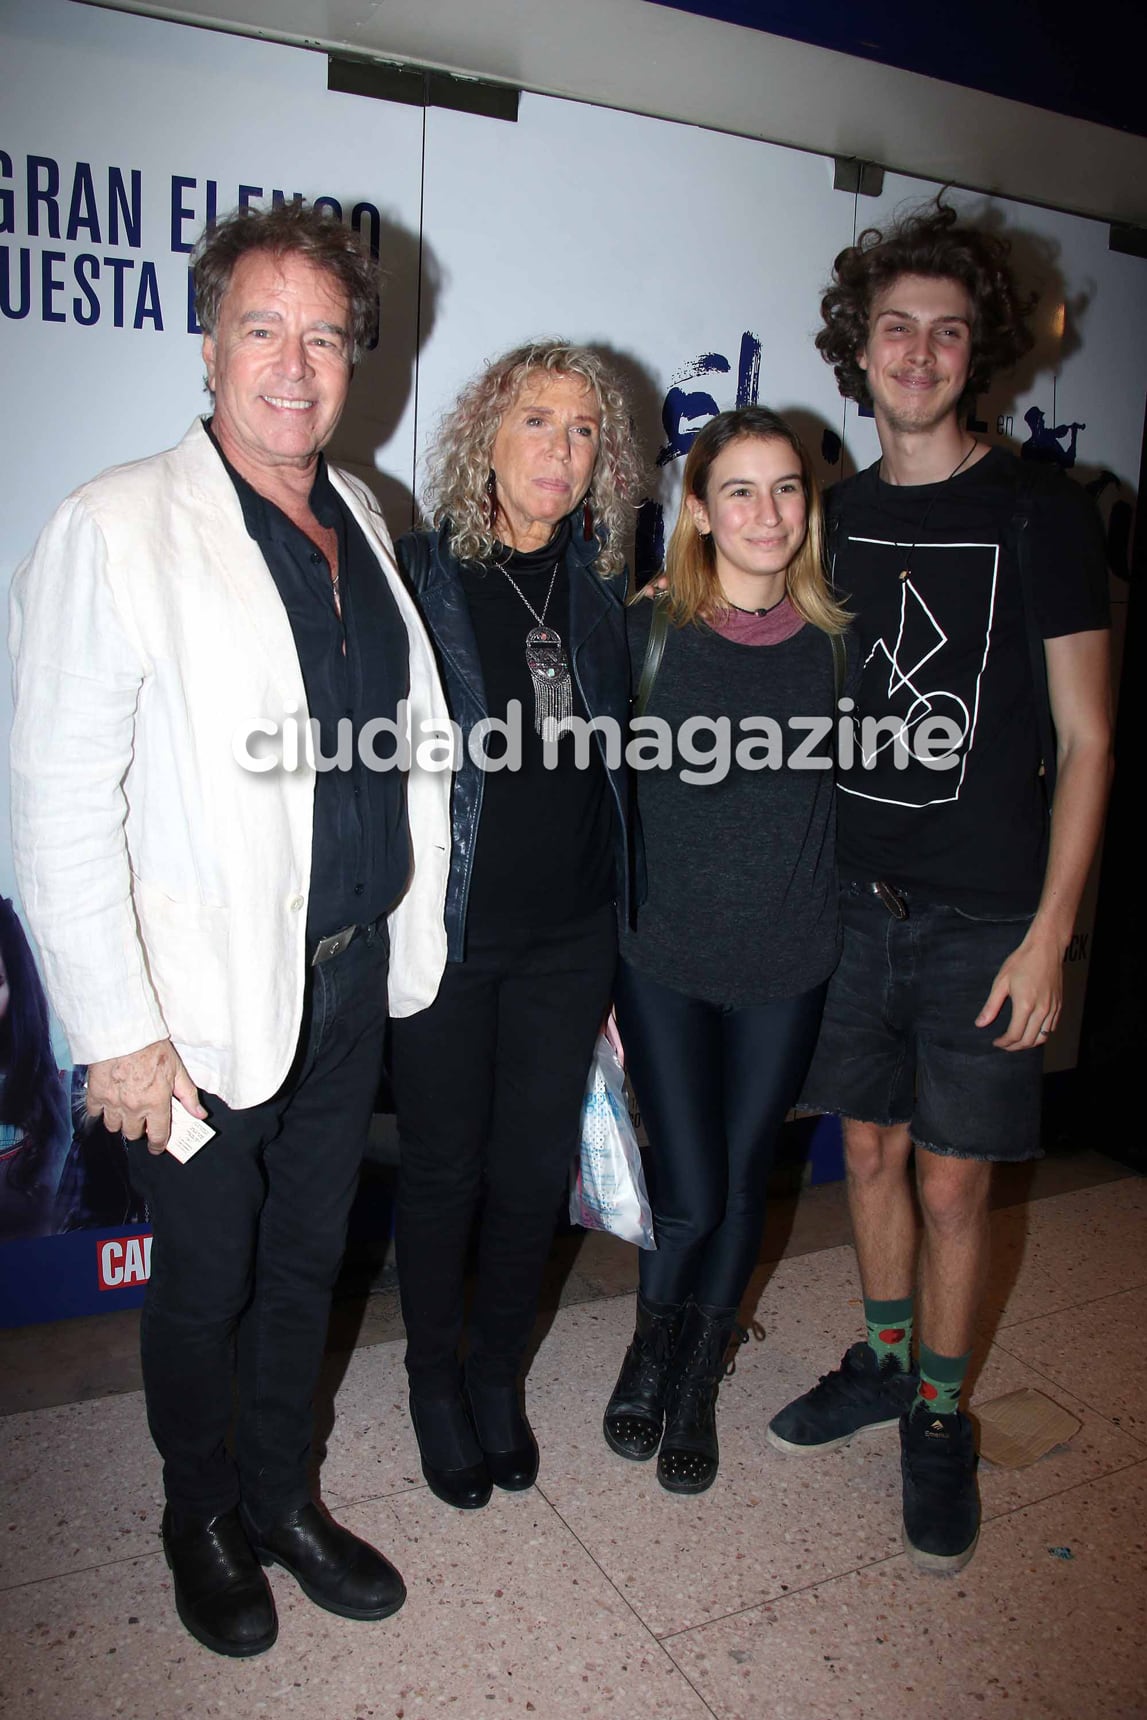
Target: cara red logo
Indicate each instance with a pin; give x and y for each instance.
(122, 1261)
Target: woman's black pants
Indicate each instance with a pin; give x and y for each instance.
(714, 1085)
(489, 1084)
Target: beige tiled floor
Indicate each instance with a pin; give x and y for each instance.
(780, 1595)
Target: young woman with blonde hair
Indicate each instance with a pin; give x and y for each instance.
(721, 984)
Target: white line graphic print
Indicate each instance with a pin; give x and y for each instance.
(920, 640)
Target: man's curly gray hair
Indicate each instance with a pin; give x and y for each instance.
(459, 458)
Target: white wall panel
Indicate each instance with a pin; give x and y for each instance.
(655, 60)
(79, 85)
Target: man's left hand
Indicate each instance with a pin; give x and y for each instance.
(133, 1094)
(1032, 977)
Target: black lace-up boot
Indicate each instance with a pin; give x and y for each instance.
(689, 1456)
(635, 1413)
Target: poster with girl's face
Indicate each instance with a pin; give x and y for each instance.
(35, 1113)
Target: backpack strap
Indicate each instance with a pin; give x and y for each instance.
(1019, 538)
(654, 651)
(839, 665)
(831, 541)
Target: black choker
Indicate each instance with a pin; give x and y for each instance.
(731, 605)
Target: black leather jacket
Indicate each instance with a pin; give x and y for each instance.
(600, 662)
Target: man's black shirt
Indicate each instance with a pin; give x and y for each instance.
(360, 854)
(930, 573)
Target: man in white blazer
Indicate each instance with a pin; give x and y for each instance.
(224, 936)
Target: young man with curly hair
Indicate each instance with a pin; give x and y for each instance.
(979, 587)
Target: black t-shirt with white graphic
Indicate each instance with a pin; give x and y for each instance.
(941, 632)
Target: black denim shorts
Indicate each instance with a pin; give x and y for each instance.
(898, 1041)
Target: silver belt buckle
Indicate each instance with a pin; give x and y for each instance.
(892, 898)
(333, 946)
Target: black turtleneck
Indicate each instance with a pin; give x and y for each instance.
(544, 853)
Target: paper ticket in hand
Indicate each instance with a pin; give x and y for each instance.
(188, 1134)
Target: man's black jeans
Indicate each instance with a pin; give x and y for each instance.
(248, 1237)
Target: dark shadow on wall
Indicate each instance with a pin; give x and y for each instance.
(650, 404)
(822, 443)
(644, 392)
(1104, 1101)
(386, 376)
(1059, 323)
(1059, 316)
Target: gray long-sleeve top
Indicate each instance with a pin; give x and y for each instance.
(742, 891)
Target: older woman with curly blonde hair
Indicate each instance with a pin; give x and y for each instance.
(532, 479)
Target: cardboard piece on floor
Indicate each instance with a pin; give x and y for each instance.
(1021, 1427)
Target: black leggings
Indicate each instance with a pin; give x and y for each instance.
(714, 1085)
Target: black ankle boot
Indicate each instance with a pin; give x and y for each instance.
(452, 1460)
(635, 1413)
(688, 1459)
(508, 1445)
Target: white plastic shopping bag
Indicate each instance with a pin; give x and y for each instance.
(607, 1188)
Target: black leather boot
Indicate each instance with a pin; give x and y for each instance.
(636, 1411)
(221, 1594)
(506, 1437)
(688, 1459)
(335, 1569)
(452, 1459)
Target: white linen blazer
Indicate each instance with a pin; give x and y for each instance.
(165, 884)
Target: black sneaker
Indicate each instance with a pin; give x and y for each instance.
(861, 1395)
(941, 1501)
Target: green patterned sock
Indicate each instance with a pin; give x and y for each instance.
(890, 1330)
(941, 1381)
